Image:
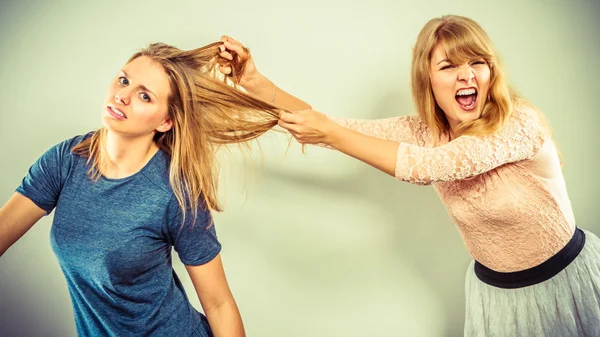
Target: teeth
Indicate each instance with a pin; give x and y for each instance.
(117, 112)
(464, 92)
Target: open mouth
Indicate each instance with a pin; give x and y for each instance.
(466, 98)
(118, 114)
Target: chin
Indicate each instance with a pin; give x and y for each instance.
(471, 117)
(465, 116)
(108, 123)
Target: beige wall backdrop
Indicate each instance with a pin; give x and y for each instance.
(315, 244)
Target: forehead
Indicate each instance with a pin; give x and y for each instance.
(458, 52)
(151, 74)
(438, 53)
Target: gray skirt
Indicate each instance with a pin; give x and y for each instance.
(567, 304)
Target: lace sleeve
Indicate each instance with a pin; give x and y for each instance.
(520, 138)
(403, 129)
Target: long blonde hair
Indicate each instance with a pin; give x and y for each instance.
(463, 40)
(206, 113)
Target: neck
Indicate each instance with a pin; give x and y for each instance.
(126, 156)
(450, 134)
(452, 126)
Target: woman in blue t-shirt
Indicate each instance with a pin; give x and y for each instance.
(144, 183)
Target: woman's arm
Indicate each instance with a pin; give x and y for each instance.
(311, 127)
(254, 82)
(520, 138)
(38, 193)
(379, 153)
(216, 299)
(401, 129)
(264, 89)
(17, 216)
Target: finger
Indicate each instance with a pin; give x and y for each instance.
(225, 69)
(226, 38)
(288, 117)
(288, 126)
(237, 48)
(226, 55)
(299, 138)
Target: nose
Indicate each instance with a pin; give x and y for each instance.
(122, 96)
(466, 73)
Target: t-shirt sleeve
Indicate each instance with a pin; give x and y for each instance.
(46, 177)
(195, 241)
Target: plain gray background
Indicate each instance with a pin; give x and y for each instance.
(315, 244)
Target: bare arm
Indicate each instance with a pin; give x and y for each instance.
(379, 153)
(266, 90)
(312, 127)
(254, 82)
(17, 216)
(216, 299)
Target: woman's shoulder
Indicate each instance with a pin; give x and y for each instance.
(73, 141)
(528, 120)
(64, 149)
(523, 108)
(522, 105)
(525, 111)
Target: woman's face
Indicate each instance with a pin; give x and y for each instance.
(459, 89)
(136, 102)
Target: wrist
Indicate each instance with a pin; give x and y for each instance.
(258, 84)
(333, 133)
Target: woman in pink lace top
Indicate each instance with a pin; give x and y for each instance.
(491, 159)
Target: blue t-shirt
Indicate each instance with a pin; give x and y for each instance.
(113, 241)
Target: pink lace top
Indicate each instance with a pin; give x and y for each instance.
(505, 192)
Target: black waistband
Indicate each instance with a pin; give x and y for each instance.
(537, 274)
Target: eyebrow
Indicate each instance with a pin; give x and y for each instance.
(444, 60)
(143, 87)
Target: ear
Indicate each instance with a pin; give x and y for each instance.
(165, 126)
